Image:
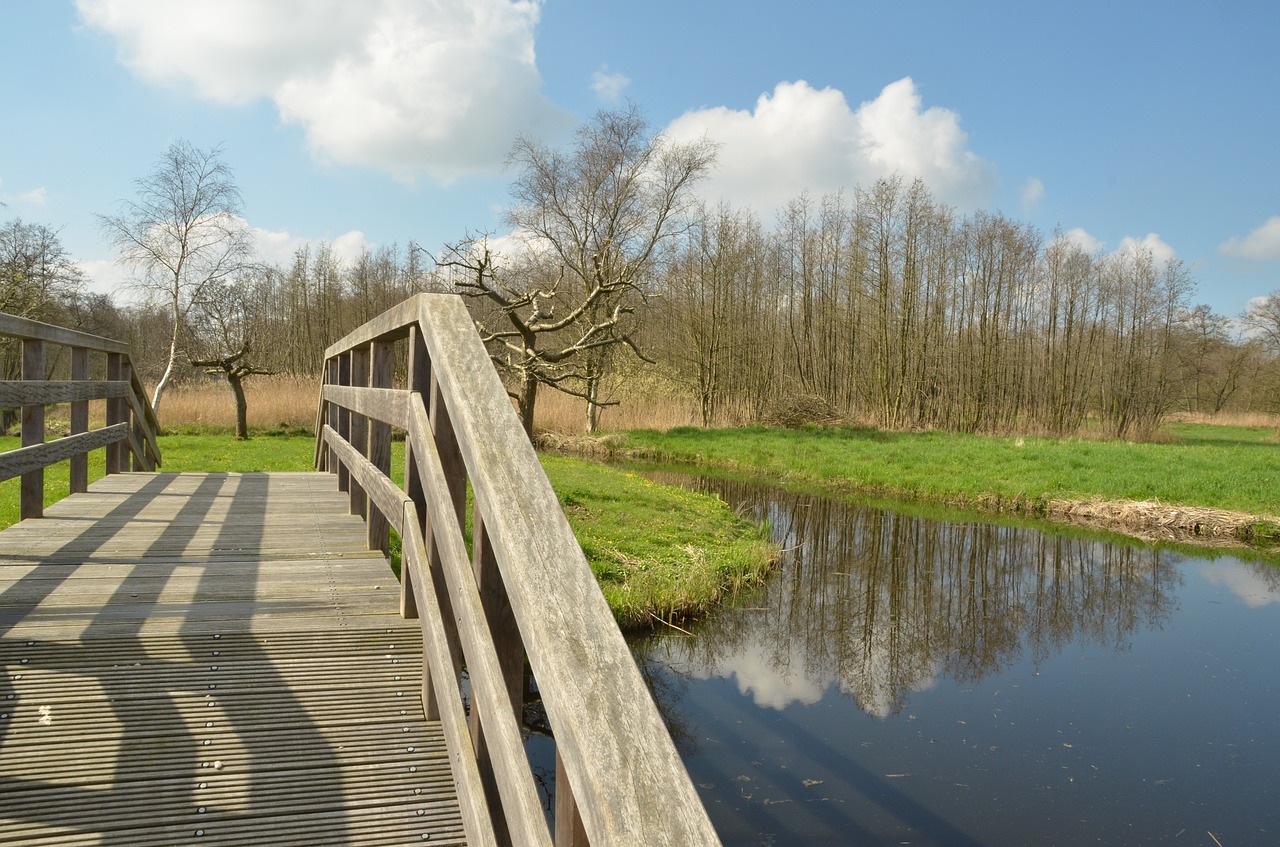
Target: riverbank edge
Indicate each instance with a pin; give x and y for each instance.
(1145, 520)
(688, 554)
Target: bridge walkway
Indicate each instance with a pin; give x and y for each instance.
(211, 658)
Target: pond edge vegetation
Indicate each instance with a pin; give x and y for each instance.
(662, 555)
(1188, 492)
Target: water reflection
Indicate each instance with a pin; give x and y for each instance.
(911, 679)
(880, 604)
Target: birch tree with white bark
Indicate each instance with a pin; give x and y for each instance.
(180, 235)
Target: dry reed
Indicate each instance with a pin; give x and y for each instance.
(1246, 419)
(567, 415)
(273, 401)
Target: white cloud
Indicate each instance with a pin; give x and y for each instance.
(277, 247)
(608, 86)
(35, 198)
(1083, 240)
(1032, 193)
(106, 276)
(1160, 251)
(436, 87)
(351, 245)
(801, 138)
(1249, 588)
(1262, 243)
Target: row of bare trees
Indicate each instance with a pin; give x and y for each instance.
(886, 306)
(881, 305)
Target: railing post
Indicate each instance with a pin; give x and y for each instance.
(359, 437)
(344, 418)
(419, 382)
(31, 496)
(382, 371)
(330, 377)
(115, 413)
(129, 460)
(455, 474)
(569, 829)
(510, 650)
(79, 472)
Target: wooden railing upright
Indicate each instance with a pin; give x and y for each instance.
(129, 435)
(523, 592)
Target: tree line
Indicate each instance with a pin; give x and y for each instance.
(880, 305)
(886, 306)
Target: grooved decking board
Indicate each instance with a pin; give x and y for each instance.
(211, 659)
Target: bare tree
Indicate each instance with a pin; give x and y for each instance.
(182, 234)
(37, 280)
(36, 274)
(1262, 319)
(229, 325)
(594, 219)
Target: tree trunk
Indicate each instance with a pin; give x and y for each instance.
(242, 407)
(528, 397)
(593, 408)
(164, 380)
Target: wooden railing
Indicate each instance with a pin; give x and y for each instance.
(129, 435)
(525, 591)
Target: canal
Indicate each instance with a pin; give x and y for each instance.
(945, 680)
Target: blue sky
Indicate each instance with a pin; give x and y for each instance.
(386, 121)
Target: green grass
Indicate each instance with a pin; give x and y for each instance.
(659, 552)
(1235, 468)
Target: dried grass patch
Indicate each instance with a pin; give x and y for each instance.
(273, 401)
(1153, 520)
(566, 415)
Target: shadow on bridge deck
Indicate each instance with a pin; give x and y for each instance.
(211, 658)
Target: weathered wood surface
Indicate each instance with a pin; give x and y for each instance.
(211, 658)
(19, 327)
(26, 459)
(630, 784)
(14, 392)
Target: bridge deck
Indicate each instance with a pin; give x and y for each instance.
(211, 659)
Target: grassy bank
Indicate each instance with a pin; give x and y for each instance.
(1225, 469)
(660, 553)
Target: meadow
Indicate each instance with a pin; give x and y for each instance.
(661, 554)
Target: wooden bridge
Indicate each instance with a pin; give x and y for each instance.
(229, 658)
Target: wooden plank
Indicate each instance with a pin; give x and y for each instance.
(25, 459)
(387, 499)
(492, 698)
(588, 680)
(15, 392)
(115, 412)
(18, 327)
(391, 325)
(150, 459)
(344, 417)
(418, 382)
(152, 424)
(79, 469)
(448, 707)
(359, 434)
(388, 405)
(381, 376)
(31, 495)
(217, 679)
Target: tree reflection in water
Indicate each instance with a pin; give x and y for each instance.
(881, 603)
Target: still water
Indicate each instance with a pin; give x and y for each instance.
(907, 680)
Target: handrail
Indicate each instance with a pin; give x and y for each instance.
(130, 429)
(525, 592)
